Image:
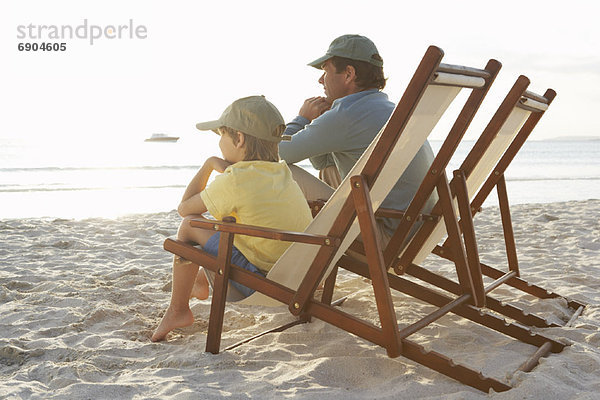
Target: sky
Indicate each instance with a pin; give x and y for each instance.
(196, 57)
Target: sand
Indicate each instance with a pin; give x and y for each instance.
(80, 299)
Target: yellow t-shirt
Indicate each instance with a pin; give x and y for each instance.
(259, 193)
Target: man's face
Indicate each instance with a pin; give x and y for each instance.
(334, 83)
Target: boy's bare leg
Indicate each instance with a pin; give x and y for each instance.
(178, 313)
(200, 288)
(186, 282)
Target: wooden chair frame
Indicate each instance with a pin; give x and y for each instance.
(359, 206)
(460, 247)
(402, 260)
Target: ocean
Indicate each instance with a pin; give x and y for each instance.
(86, 179)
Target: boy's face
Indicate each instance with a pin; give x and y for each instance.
(231, 151)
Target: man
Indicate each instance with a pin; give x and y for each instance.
(334, 131)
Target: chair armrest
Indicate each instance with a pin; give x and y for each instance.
(317, 205)
(392, 213)
(267, 233)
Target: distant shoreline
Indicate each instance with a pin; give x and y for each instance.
(21, 141)
(552, 139)
(145, 215)
(573, 138)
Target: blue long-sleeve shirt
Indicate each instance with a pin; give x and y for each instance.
(343, 133)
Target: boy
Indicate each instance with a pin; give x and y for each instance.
(254, 186)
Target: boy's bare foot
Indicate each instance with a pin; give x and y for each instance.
(200, 289)
(172, 320)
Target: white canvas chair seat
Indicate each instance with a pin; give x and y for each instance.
(294, 263)
(482, 170)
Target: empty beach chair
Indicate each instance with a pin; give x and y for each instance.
(482, 170)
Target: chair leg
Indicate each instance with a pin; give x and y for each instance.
(217, 308)
(454, 240)
(329, 286)
(509, 237)
(468, 231)
(377, 269)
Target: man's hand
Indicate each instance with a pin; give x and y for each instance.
(314, 107)
(217, 164)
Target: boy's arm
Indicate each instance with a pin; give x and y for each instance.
(193, 205)
(191, 202)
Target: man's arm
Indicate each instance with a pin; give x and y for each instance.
(322, 161)
(314, 107)
(311, 109)
(323, 135)
(295, 125)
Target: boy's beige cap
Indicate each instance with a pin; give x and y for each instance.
(253, 115)
(354, 47)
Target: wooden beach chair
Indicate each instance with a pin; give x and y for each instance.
(313, 254)
(482, 170)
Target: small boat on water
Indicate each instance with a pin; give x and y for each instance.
(162, 137)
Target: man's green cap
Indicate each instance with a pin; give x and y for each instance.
(254, 116)
(354, 47)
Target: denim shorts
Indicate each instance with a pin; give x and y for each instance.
(237, 258)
